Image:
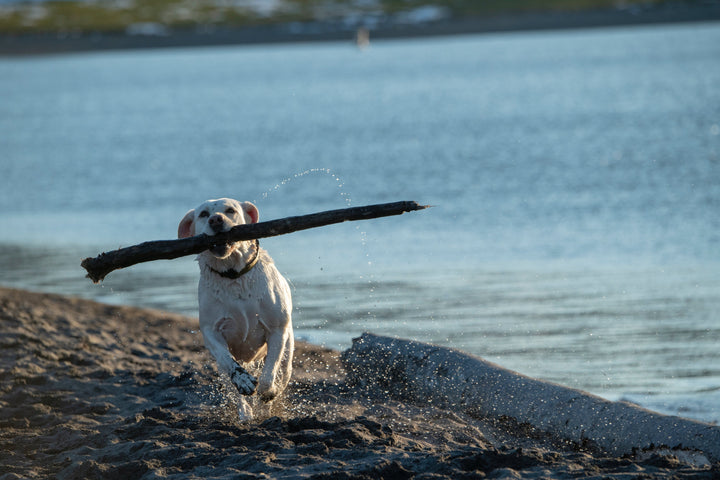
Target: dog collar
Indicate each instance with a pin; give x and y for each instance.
(234, 274)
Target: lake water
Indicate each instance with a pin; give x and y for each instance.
(575, 178)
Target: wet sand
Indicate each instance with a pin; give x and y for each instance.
(97, 391)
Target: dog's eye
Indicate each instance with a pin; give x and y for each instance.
(231, 211)
(204, 213)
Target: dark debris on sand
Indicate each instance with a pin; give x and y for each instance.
(102, 392)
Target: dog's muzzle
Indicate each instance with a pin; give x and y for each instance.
(217, 224)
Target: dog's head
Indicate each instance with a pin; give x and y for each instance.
(215, 216)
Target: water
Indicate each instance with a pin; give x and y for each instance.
(575, 178)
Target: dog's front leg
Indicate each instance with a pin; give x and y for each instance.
(276, 359)
(285, 370)
(241, 378)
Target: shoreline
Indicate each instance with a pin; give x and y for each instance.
(99, 391)
(11, 45)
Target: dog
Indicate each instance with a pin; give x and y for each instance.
(245, 306)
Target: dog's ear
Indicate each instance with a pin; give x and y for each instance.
(251, 211)
(187, 225)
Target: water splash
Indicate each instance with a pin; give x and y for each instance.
(339, 184)
(312, 171)
(370, 317)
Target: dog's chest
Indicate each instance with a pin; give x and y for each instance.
(222, 298)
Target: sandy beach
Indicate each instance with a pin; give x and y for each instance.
(97, 391)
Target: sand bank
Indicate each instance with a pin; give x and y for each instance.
(97, 391)
(453, 379)
(670, 12)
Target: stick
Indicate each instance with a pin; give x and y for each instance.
(98, 267)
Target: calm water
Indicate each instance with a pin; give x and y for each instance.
(575, 178)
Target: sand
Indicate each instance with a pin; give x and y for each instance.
(96, 391)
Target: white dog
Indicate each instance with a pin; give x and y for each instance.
(245, 305)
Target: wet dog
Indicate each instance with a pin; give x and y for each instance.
(244, 303)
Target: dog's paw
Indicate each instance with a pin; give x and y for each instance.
(267, 391)
(268, 395)
(243, 381)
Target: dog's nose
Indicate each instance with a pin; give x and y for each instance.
(217, 223)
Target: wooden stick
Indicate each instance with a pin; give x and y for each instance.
(98, 267)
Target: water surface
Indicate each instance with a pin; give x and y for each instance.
(575, 178)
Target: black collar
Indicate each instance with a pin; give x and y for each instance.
(234, 274)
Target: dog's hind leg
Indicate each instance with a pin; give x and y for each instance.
(245, 411)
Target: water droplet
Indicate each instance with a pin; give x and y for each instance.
(312, 171)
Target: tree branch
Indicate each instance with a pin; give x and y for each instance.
(98, 267)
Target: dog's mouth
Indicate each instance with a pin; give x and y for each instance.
(221, 251)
